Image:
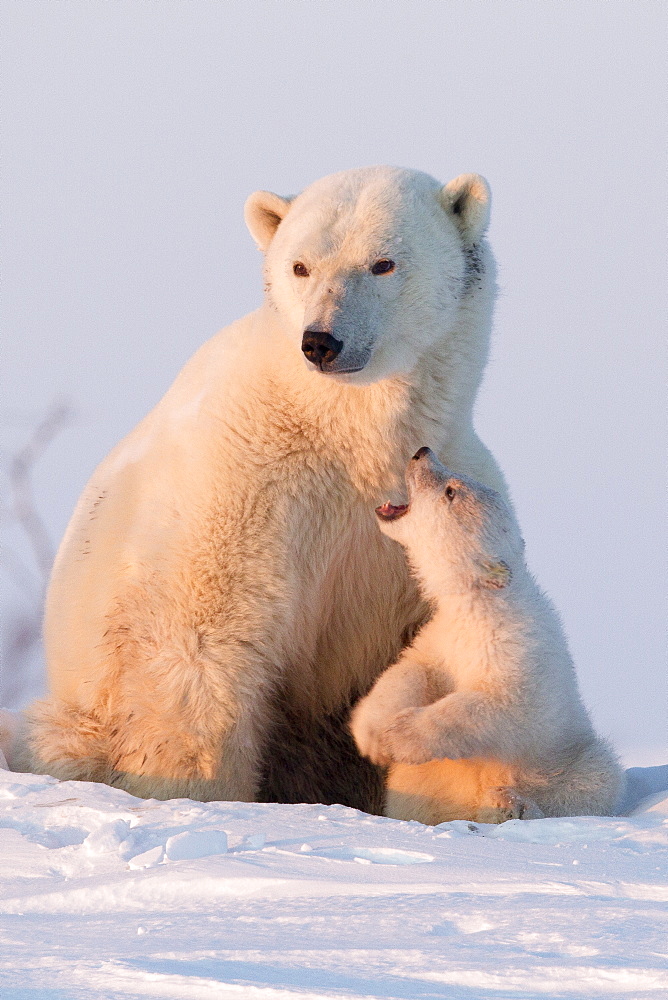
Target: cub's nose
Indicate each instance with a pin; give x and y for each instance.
(320, 347)
(421, 454)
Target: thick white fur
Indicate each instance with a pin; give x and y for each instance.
(226, 548)
(480, 718)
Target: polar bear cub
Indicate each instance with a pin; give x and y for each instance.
(481, 717)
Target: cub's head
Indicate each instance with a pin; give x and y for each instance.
(458, 534)
(368, 269)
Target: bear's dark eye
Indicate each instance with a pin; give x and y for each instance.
(383, 266)
(450, 492)
(300, 269)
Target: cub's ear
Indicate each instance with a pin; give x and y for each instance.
(495, 575)
(468, 200)
(263, 213)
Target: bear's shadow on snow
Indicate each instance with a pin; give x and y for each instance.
(317, 761)
(265, 976)
(640, 784)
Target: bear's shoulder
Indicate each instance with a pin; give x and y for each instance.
(224, 355)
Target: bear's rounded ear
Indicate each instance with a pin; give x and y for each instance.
(468, 200)
(263, 213)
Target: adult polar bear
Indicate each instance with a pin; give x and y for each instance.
(223, 594)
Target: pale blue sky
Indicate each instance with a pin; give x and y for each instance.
(134, 132)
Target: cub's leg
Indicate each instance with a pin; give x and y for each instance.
(586, 781)
(443, 790)
(461, 724)
(582, 781)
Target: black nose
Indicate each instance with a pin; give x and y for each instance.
(320, 347)
(421, 453)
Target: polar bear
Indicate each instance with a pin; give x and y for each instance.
(222, 595)
(480, 718)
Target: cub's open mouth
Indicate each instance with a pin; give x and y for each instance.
(390, 512)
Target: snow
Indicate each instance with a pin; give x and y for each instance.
(107, 896)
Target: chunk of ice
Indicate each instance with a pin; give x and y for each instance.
(192, 844)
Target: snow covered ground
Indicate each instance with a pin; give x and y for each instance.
(106, 896)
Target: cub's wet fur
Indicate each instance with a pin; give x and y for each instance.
(481, 717)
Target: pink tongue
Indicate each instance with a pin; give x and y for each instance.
(390, 511)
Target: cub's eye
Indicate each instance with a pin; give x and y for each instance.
(450, 492)
(300, 269)
(383, 266)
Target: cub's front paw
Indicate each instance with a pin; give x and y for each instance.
(501, 804)
(407, 738)
(367, 731)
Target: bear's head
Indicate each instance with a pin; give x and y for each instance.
(458, 534)
(370, 269)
